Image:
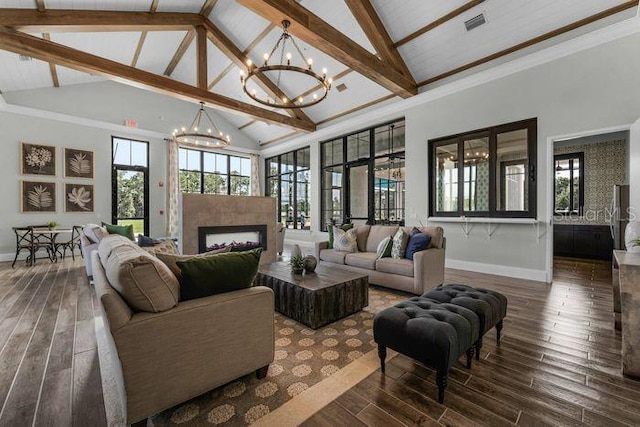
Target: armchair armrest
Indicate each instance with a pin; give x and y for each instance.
(318, 246)
(428, 269)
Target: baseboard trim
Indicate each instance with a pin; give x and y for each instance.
(8, 257)
(498, 270)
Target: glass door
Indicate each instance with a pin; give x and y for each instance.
(130, 184)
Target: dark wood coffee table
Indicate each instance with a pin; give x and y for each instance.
(315, 299)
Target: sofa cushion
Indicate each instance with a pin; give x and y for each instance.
(143, 281)
(332, 255)
(436, 233)
(362, 259)
(377, 233)
(400, 240)
(362, 233)
(344, 227)
(403, 266)
(171, 259)
(94, 233)
(345, 241)
(210, 275)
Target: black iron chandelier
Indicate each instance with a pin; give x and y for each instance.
(285, 65)
(203, 131)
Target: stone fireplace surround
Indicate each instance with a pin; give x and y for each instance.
(210, 210)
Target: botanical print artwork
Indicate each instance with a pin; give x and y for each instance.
(78, 163)
(78, 198)
(38, 196)
(38, 159)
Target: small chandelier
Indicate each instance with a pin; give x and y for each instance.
(285, 65)
(202, 133)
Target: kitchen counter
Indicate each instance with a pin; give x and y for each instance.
(628, 294)
(582, 240)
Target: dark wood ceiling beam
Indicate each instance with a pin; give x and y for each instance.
(201, 58)
(143, 36)
(58, 20)
(313, 30)
(207, 7)
(40, 5)
(558, 31)
(21, 43)
(239, 58)
(182, 49)
(446, 18)
(377, 34)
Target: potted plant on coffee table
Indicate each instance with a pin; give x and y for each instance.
(297, 264)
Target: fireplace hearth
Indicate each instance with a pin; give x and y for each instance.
(239, 237)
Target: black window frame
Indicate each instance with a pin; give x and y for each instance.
(346, 164)
(115, 167)
(293, 184)
(492, 132)
(203, 173)
(571, 157)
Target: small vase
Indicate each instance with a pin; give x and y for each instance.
(296, 252)
(632, 237)
(310, 263)
(297, 270)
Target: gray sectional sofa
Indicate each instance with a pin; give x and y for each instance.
(422, 274)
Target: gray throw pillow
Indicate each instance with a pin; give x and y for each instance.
(399, 244)
(345, 241)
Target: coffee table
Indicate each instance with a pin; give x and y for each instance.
(315, 299)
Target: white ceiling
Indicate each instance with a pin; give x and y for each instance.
(444, 48)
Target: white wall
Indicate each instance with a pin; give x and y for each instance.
(591, 89)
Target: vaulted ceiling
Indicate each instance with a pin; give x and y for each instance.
(377, 51)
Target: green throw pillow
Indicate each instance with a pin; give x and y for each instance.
(123, 230)
(344, 227)
(206, 276)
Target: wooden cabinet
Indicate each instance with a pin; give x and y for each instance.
(582, 241)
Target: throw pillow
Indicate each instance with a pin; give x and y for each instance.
(345, 241)
(206, 276)
(123, 230)
(417, 242)
(94, 233)
(344, 227)
(384, 248)
(171, 259)
(145, 241)
(399, 244)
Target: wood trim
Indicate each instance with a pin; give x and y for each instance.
(136, 55)
(17, 42)
(245, 52)
(239, 58)
(546, 36)
(377, 34)
(61, 20)
(52, 66)
(247, 124)
(154, 6)
(201, 58)
(446, 18)
(40, 5)
(280, 138)
(313, 30)
(182, 48)
(358, 108)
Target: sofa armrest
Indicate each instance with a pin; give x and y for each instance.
(428, 269)
(318, 246)
(175, 355)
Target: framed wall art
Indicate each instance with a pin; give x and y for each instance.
(36, 196)
(78, 163)
(78, 197)
(36, 159)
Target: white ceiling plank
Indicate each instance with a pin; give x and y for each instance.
(191, 6)
(20, 75)
(154, 57)
(129, 5)
(238, 23)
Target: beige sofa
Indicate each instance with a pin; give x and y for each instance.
(425, 272)
(183, 349)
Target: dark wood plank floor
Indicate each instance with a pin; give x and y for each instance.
(558, 364)
(49, 371)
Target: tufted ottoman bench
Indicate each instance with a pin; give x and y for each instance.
(490, 306)
(428, 331)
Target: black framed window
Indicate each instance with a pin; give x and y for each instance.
(288, 179)
(130, 184)
(213, 173)
(488, 172)
(363, 176)
(569, 183)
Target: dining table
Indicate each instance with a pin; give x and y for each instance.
(50, 236)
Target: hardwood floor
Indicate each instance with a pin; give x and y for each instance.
(49, 372)
(558, 364)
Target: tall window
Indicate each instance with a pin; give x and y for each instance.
(569, 183)
(488, 172)
(212, 173)
(130, 184)
(289, 181)
(363, 176)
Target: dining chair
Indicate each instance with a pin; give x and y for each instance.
(26, 240)
(72, 243)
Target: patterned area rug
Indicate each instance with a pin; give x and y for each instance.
(303, 357)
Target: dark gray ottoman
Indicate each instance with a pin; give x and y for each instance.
(430, 332)
(490, 306)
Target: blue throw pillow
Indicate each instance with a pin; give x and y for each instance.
(417, 242)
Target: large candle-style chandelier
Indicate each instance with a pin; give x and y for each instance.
(203, 131)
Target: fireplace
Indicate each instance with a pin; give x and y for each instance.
(239, 237)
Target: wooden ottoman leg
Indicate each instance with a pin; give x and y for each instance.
(470, 352)
(382, 354)
(441, 382)
(478, 347)
(498, 331)
(262, 372)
